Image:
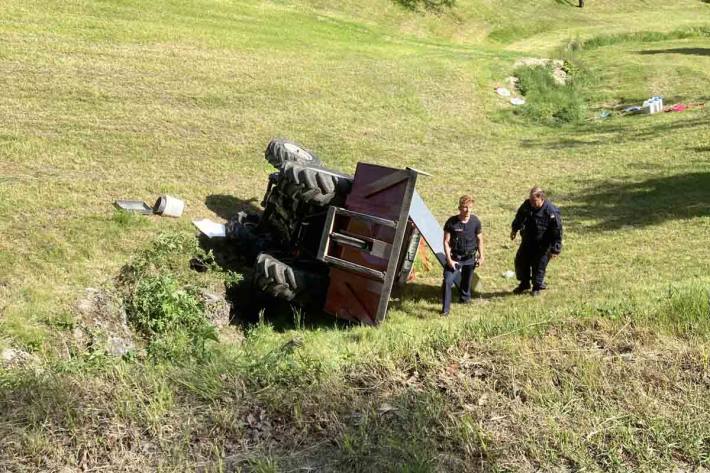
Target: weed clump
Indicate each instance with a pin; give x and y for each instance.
(686, 311)
(171, 317)
(549, 102)
(163, 299)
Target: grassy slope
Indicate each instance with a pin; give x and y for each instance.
(103, 100)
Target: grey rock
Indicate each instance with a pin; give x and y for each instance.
(13, 358)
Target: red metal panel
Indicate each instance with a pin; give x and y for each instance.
(353, 297)
(385, 203)
(381, 192)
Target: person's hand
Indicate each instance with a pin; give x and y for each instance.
(481, 259)
(451, 264)
(512, 234)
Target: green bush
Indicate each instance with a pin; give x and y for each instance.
(171, 317)
(548, 102)
(163, 301)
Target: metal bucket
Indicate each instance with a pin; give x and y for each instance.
(169, 206)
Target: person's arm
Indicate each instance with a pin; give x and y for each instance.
(556, 228)
(447, 249)
(518, 221)
(479, 241)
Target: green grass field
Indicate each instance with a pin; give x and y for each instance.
(608, 371)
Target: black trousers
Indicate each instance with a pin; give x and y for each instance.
(467, 268)
(530, 264)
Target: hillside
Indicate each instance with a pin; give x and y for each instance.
(103, 100)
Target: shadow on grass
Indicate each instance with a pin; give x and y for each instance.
(649, 202)
(689, 51)
(227, 206)
(430, 293)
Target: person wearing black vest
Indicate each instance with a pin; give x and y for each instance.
(540, 225)
(463, 248)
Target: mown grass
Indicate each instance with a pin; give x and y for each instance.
(131, 100)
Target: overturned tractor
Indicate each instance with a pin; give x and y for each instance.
(334, 241)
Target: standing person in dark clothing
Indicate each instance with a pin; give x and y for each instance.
(540, 225)
(463, 241)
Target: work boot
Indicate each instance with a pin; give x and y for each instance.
(521, 289)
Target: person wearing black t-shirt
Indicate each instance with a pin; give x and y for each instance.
(463, 247)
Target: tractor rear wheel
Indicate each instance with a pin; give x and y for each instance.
(317, 186)
(280, 152)
(275, 278)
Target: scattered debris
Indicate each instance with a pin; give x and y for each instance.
(679, 107)
(165, 205)
(633, 109)
(653, 105)
(135, 206)
(502, 91)
(604, 114)
(508, 274)
(169, 206)
(210, 229)
(517, 101)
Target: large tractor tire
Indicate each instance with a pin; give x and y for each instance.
(314, 185)
(274, 278)
(303, 282)
(280, 152)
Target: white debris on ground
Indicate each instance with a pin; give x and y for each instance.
(503, 92)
